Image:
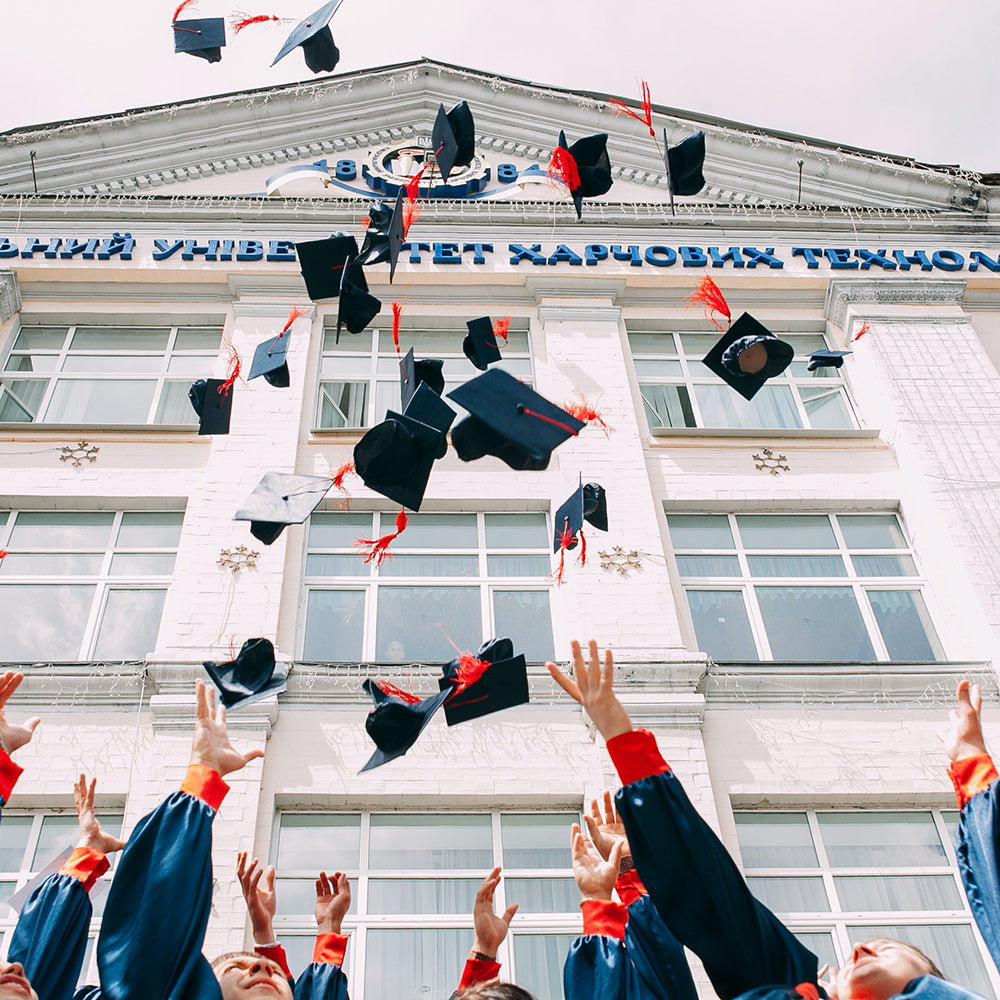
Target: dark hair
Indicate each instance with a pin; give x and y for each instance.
(495, 991)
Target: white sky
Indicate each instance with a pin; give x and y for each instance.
(911, 77)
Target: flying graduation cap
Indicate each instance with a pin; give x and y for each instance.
(384, 236)
(397, 719)
(490, 681)
(270, 359)
(583, 167)
(252, 675)
(204, 37)
(684, 163)
(588, 503)
(314, 36)
(356, 306)
(213, 403)
(281, 499)
(453, 138)
(414, 373)
(826, 359)
(322, 262)
(480, 343)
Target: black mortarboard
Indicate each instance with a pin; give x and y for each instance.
(826, 359)
(395, 722)
(204, 37)
(270, 359)
(314, 35)
(747, 355)
(322, 264)
(593, 166)
(588, 503)
(684, 164)
(280, 499)
(429, 408)
(251, 676)
(509, 420)
(357, 307)
(214, 408)
(480, 344)
(384, 235)
(453, 138)
(412, 373)
(395, 457)
(503, 684)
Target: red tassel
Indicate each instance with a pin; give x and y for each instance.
(585, 412)
(501, 328)
(583, 548)
(865, 328)
(709, 295)
(365, 223)
(234, 371)
(470, 669)
(238, 21)
(377, 549)
(338, 477)
(292, 317)
(562, 167)
(3, 552)
(647, 109)
(566, 539)
(184, 3)
(395, 692)
(411, 212)
(397, 315)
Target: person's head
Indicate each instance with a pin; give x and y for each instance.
(495, 990)
(14, 983)
(243, 975)
(881, 968)
(395, 652)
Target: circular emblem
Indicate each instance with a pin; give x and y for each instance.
(391, 167)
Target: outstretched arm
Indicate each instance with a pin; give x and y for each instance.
(11, 737)
(490, 929)
(262, 904)
(325, 979)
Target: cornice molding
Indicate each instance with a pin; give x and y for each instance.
(842, 293)
(10, 295)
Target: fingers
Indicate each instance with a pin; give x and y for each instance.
(31, 725)
(343, 885)
(610, 813)
(89, 793)
(323, 885)
(592, 828)
(255, 879)
(9, 683)
(616, 854)
(608, 673)
(251, 755)
(976, 699)
(571, 688)
(241, 865)
(201, 701)
(508, 914)
(269, 883)
(579, 670)
(488, 886)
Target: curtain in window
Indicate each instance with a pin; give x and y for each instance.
(343, 404)
(423, 895)
(667, 405)
(403, 963)
(100, 401)
(539, 960)
(814, 623)
(772, 407)
(904, 623)
(721, 624)
(791, 895)
(878, 893)
(524, 616)
(334, 625)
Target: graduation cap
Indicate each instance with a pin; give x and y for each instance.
(384, 236)
(826, 359)
(584, 167)
(414, 373)
(684, 163)
(747, 355)
(251, 676)
(397, 719)
(213, 405)
(488, 682)
(322, 263)
(314, 35)
(480, 344)
(509, 420)
(357, 307)
(204, 37)
(270, 359)
(453, 138)
(280, 499)
(588, 503)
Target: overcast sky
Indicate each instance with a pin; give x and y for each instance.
(911, 77)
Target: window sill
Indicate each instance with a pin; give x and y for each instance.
(771, 433)
(337, 432)
(9, 429)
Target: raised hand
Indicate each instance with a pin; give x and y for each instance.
(594, 689)
(333, 900)
(91, 833)
(607, 830)
(13, 737)
(490, 929)
(966, 736)
(595, 876)
(211, 745)
(262, 901)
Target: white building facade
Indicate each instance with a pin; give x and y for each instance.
(791, 588)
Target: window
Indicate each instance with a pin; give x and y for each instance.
(105, 375)
(836, 878)
(84, 585)
(679, 391)
(413, 883)
(802, 587)
(35, 842)
(359, 377)
(467, 576)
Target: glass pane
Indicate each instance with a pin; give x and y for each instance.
(130, 625)
(790, 895)
(775, 840)
(415, 619)
(150, 530)
(517, 565)
(336, 565)
(174, 406)
(658, 369)
(20, 399)
(772, 407)
(538, 963)
(51, 564)
(32, 363)
(422, 895)
(826, 408)
(721, 625)
(40, 338)
(315, 842)
(651, 343)
(543, 895)
(100, 401)
(103, 338)
(198, 339)
(57, 833)
(516, 531)
(335, 621)
(430, 565)
(338, 531)
(708, 566)
(526, 615)
(667, 405)
(898, 892)
(814, 623)
(298, 895)
(700, 531)
(797, 566)
(343, 404)
(417, 842)
(820, 943)
(952, 947)
(61, 530)
(346, 368)
(884, 566)
(425, 343)
(786, 531)
(881, 839)
(13, 842)
(188, 364)
(7, 889)
(298, 951)
(413, 963)
(950, 817)
(905, 625)
(437, 531)
(109, 364)
(42, 622)
(871, 531)
(697, 345)
(361, 342)
(537, 841)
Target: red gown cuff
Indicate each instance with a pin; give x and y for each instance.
(330, 949)
(636, 755)
(87, 864)
(630, 888)
(276, 954)
(9, 773)
(605, 917)
(202, 782)
(478, 970)
(971, 775)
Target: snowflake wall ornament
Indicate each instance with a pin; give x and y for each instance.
(770, 463)
(236, 559)
(79, 453)
(619, 560)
